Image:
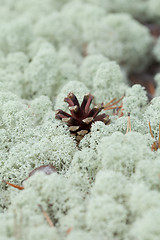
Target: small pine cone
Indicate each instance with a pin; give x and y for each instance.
(82, 116)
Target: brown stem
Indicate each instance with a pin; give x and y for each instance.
(108, 107)
(50, 223)
(128, 124)
(13, 185)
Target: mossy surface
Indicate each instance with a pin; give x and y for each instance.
(107, 186)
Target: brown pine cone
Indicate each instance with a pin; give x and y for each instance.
(82, 116)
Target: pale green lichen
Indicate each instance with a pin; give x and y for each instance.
(157, 80)
(146, 227)
(36, 9)
(156, 50)
(30, 138)
(52, 71)
(41, 145)
(150, 177)
(128, 44)
(78, 88)
(15, 36)
(95, 33)
(114, 184)
(120, 124)
(135, 101)
(86, 162)
(107, 186)
(143, 10)
(136, 8)
(15, 62)
(41, 81)
(74, 220)
(78, 13)
(59, 33)
(91, 140)
(106, 217)
(152, 114)
(108, 82)
(52, 193)
(13, 226)
(121, 153)
(79, 234)
(152, 10)
(40, 108)
(89, 68)
(141, 199)
(12, 72)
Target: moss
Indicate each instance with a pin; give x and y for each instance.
(59, 33)
(142, 199)
(153, 13)
(37, 149)
(135, 101)
(16, 36)
(128, 44)
(91, 140)
(142, 10)
(156, 50)
(13, 226)
(146, 227)
(107, 225)
(108, 82)
(78, 88)
(56, 201)
(107, 186)
(79, 234)
(157, 80)
(150, 177)
(41, 81)
(120, 124)
(86, 162)
(89, 68)
(152, 114)
(115, 184)
(121, 153)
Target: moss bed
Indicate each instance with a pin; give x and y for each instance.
(107, 185)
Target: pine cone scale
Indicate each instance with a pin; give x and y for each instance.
(82, 116)
(59, 114)
(85, 99)
(87, 106)
(71, 100)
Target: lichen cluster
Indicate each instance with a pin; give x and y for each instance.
(107, 186)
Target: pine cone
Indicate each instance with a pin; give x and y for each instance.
(82, 116)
